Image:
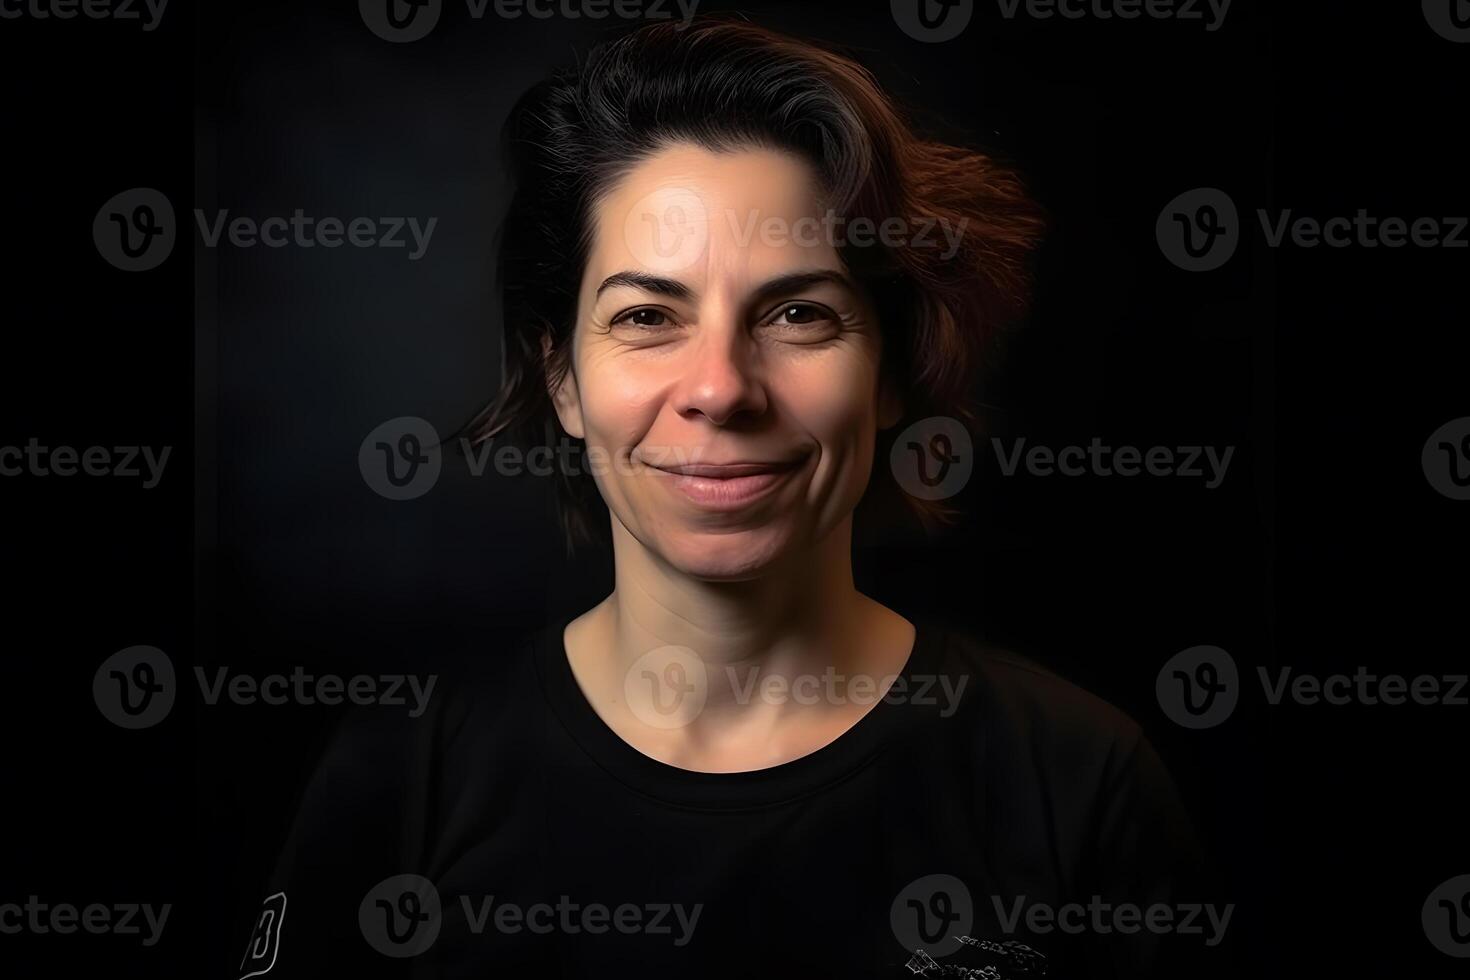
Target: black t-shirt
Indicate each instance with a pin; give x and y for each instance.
(508, 832)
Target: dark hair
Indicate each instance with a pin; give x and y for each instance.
(726, 85)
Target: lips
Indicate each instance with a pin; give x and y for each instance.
(730, 485)
(728, 471)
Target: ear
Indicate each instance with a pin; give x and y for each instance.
(564, 396)
(890, 404)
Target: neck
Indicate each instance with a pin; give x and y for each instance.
(804, 610)
(800, 620)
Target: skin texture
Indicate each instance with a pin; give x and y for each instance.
(725, 376)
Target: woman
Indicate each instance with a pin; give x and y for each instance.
(715, 276)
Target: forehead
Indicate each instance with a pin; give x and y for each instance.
(696, 214)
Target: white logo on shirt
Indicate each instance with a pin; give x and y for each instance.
(265, 940)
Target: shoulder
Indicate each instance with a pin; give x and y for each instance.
(1022, 709)
(1028, 691)
(381, 763)
(1035, 732)
(376, 799)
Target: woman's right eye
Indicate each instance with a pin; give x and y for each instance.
(644, 316)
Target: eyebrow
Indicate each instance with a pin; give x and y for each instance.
(674, 289)
(671, 288)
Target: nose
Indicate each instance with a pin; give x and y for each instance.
(720, 380)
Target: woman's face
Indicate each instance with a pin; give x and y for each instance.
(725, 369)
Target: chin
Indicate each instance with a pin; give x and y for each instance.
(730, 556)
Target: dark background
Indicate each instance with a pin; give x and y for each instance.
(263, 548)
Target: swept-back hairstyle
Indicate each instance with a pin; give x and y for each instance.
(725, 85)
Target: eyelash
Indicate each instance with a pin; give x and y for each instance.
(627, 317)
(822, 312)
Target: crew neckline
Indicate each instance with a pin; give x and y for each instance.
(838, 760)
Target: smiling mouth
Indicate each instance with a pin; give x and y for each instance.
(728, 486)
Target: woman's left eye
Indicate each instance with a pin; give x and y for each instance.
(805, 317)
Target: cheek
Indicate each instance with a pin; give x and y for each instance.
(619, 404)
(834, 399)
